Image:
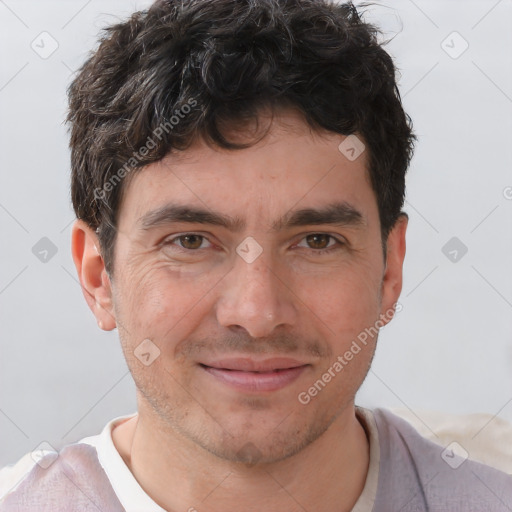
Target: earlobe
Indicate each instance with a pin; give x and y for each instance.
(93, 277)
(393, 273)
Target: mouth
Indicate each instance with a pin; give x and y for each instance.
(249, 375)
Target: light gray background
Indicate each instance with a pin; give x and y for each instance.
(450, 349)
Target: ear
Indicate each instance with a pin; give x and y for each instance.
(94, 280)
(392, 280)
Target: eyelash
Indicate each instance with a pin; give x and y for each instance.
(337, 246)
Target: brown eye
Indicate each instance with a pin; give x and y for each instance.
(318, 241)
(190, 241)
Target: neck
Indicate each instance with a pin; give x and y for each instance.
(329, 474)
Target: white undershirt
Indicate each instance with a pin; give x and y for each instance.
(128, 490)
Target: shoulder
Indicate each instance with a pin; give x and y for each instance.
(434, 476)
(53, 481)
(11, 476)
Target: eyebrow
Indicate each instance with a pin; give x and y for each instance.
(336, 214)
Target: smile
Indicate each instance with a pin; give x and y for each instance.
(250, 376)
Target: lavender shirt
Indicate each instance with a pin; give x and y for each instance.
(407, 474)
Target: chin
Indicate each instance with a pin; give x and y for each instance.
(254, 447)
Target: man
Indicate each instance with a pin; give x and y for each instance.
(238, 177)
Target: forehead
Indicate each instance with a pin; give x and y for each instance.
(292, 166)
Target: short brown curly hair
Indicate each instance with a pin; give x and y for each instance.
(185, 69)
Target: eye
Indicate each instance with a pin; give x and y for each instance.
(320, 242)
(188, 241)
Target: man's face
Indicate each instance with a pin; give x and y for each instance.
(248, 314)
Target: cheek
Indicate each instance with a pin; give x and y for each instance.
(345, 302)
(161, 303)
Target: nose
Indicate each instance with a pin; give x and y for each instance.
(255, 297)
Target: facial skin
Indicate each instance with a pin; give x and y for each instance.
(199, 302)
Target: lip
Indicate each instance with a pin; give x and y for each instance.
(246, 364)
(250, 375)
